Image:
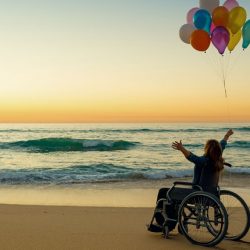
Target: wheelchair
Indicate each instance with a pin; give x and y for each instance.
(204, 218)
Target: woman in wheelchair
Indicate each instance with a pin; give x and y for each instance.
(207, 171)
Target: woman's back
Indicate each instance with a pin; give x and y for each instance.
(207, 178)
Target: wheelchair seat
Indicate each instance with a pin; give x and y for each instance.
(177, 194)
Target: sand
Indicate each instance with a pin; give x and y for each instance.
(61, 227)
(100, 217)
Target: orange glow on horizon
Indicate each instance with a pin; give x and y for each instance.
(122, 112)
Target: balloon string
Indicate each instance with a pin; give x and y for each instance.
(223, 74)
(212, 63)
(224, 77)
(228, 110)
(236, 60)
(228, 65)
(216, 60)
(225, 89)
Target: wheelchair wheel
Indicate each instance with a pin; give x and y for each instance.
(238, 215)
(197, 219)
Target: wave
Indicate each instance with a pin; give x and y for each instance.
(46, 145)
(239, 144)
(81, 174)
(132, 130)
(243, 129)
(85, 174)
(143, 130)
(233, 144)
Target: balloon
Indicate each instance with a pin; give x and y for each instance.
(190, 15)
(234, 40)
(237, 18)
(220, 16)
(230, 4)
(246, 34)
(212, 28)
(186, 31)
(220, 38)
(202, 20)
(200, 40)
(209, 5)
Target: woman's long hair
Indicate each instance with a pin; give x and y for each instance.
(213, 151)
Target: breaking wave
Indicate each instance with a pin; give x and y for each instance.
(47, 145)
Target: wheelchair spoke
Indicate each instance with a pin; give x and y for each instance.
(236, 208)
(198, 221)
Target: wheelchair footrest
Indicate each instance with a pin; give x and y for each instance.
(154, 228)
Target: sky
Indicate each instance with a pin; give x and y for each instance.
(113, 61)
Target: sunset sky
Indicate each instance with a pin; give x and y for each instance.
(113, 61)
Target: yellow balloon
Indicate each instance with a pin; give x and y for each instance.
(234, 40)
(237, 18)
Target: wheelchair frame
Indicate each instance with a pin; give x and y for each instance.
(207, 220)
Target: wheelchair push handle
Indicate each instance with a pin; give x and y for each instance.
(227, 164)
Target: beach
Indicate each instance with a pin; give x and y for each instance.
(60, 227)
(107, 217)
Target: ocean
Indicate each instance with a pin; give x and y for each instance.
(82, 154)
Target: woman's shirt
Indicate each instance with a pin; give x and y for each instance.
(204, 173)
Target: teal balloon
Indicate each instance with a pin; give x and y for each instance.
(202, 20)
(246, 34)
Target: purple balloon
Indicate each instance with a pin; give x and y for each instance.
(220, 38)
(230, 4)
(190, 15)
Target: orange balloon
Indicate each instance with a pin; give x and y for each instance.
(200, 40)
(220, 16)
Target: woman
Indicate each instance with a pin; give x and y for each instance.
(208, 167)
(207, 171)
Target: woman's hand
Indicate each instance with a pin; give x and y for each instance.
(228, 134)
(177, 145)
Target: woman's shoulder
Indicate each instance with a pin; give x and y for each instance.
(200, 160)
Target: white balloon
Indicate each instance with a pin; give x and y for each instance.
(209, 5)
(186, 31)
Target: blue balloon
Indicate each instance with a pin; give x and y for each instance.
(246, 34)
(203, 20)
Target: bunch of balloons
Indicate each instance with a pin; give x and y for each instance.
(223, 26)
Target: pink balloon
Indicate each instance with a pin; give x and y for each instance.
(230, 4)
(212, 28)
(190, 15)
(220, 38)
